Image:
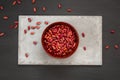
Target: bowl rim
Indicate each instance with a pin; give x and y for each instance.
(52, 25)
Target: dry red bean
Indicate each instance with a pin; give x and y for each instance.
(116, 46)
(18, 1)
(29, 20)
(112, 31)
(33, 27)
(14, 2)
(28, 27)
(37, 27)
(35, 42)
(59, 5)
(26, 55)
(32, 33)
(84, 48)
(83, 34)
(107, 46)
(2, 34)
(34, 9)
(69, 10)
(16, 22)
(12, 26)
(46, 22)
(33, 1)
(44, 8)
(15, 26)
(1, 7)
(5, 17)
(38, 23)
(25, 31)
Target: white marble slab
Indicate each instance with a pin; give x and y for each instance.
(90, 25)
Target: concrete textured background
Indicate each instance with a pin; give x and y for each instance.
(90, 25)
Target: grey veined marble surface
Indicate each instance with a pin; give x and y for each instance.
(90, 25)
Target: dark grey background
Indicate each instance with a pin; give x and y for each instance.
(110, 70)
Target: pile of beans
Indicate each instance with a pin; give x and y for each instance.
(60, 40)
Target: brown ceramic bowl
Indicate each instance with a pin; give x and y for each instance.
(60, 40)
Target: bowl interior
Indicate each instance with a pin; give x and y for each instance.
(76, 40)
